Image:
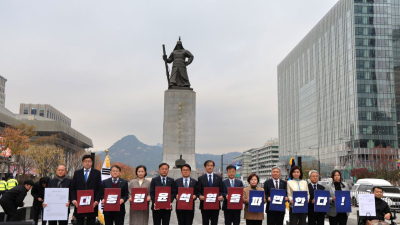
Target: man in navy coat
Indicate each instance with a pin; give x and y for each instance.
(86, 178)
(231, 215)
(115, 182)
(161, 215)
(210, 179)
(273, 217)
(185, 217)
(314, 218)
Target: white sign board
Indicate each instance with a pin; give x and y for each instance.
(56, 200)
(367, 204)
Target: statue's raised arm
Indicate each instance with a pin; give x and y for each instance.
(179, 76)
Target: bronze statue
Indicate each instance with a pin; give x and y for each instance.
(179, 163)
(179, 76)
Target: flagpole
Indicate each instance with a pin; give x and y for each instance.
(105, 174)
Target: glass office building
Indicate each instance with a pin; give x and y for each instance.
(338, 89)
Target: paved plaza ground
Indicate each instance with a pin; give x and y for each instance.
(197, 217)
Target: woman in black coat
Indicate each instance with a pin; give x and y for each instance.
(38, 196)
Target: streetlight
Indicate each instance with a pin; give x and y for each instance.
(319, 163)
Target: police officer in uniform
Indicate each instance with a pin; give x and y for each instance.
(11, 183)
(3, 187)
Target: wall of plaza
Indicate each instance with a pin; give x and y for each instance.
(337, 87)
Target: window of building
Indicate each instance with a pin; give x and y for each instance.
(33, 111)
(41, 112)
(26, 110)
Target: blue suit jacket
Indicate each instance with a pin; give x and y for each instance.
(227, 184)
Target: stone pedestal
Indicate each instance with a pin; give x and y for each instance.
(179, 129)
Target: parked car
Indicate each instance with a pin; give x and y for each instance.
(391, 194)
(324, 183)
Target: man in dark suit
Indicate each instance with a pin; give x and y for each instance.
(210, 179)
(161, 215)
(185, 217)
(273, 217)
(231, 215)
(86, 178)
(115, 182)
(60, 181)
(314, 218)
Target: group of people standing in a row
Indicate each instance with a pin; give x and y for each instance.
(90, 179)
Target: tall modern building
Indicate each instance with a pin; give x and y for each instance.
(3, 91)
(339, 88)
(44, 110)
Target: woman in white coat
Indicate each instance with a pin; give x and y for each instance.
(296, 184)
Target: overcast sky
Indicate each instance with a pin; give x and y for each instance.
(100, 63)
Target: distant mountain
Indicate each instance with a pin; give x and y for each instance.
(129, 150)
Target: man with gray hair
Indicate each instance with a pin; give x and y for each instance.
(60, 181)
(273, 217)
(314, 218)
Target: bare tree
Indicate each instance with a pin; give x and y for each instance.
(25, 161)
(74, 160)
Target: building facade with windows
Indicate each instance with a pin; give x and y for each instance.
(44, 110)
(3, 91)
(243, 164)
(337, 88)
(264, 159)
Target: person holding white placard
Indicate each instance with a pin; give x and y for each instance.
(60, 181)
(381, 207)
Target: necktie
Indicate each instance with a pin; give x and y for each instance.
(232, 184)
(163, 181)
(86, 175)
(315, 187)
(115, 181)
(276, 185)
(186, 183)
(209, 180)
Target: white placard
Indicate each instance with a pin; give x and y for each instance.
(56, 200)
(367, 204)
